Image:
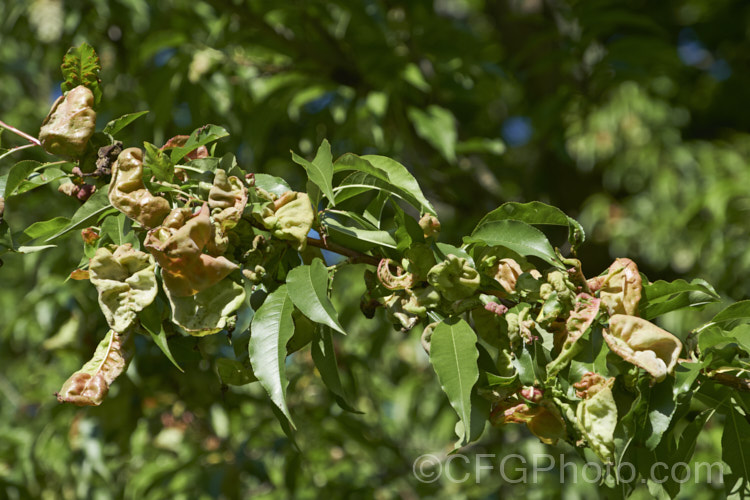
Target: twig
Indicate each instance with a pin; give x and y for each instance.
(26, 136)
(740, 384)
(16, 149)
(353, 255)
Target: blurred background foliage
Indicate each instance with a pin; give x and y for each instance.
(627, 115)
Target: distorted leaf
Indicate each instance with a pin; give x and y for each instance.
(178, 248)
(70, 124)
(643, 344)
(126, 281)
(90, 385)
(129, 195)
(208, 311)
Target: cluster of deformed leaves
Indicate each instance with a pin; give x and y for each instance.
(178, 241)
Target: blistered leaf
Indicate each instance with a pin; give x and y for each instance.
(643, 344)
(292, 218)
(178, 248)
(229, 195)
(207, 311)
(583, 314)
(596, 415)
(126, 281)
(70, 123)
(129, 195)
(89, 385)
(528, 406)
(620, 290)
(454, 278)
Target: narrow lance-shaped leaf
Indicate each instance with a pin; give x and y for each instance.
(739, 311)
(17, 174)
(390, 171)
(735, 451)
(271, 329)
(517, 236)
(200, 137)
(308, 289)
(120, 123)
(324, 356)
(536, 213)
(437, 126)
(90, 385)
(94, 207)
(151, 321)
(320, 170)
(454, 354)
(662, 297)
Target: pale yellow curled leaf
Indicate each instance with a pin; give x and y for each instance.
(178, 248)
(70, 123)
(596, 419)
(129, 195)
(89, 385)
(528, 406)
(208, 311)
(229, 195)
(620, 289)
(126, 281)
(291, 219)
(643, 344)
(454, 278)
(506, 272)
(585, 310)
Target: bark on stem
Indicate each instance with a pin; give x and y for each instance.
(26, 136)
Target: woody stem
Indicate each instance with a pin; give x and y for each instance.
(26, 136)
(353, 255)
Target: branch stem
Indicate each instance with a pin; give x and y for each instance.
(26, 136)
(353, 255)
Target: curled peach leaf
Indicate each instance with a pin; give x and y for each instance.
(596, 415)
(643, 344)
(126, 281)
(90, 385)
(129, 195)
(528, 407)
(207, 311)
(620, 290)
(585, 309)
(70, 123)
(292, 218)
(454, 278)
(178, 248)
